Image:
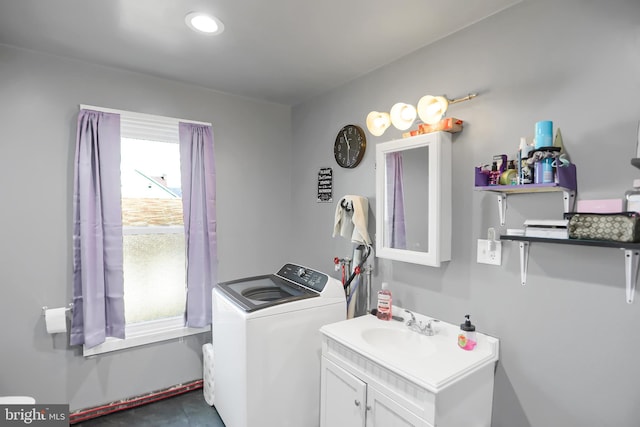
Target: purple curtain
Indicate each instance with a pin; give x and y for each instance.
(98, 285)
(198, 201)
(395, 206)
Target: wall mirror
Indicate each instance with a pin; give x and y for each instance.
(413, 199)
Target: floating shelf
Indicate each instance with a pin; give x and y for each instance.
(567, 184)
(631, 256)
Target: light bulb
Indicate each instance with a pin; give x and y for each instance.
(402, 115)
(377, 122)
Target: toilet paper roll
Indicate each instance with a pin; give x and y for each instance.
(56, 320)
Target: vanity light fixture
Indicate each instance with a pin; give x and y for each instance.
(402, 115)
(430, 110)
(378, 122)
(204, 23)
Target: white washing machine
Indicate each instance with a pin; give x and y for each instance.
(267, 345)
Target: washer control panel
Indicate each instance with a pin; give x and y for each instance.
(304, 276)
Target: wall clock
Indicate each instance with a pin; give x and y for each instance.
(350, 146)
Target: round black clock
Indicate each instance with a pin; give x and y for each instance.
(350, 146)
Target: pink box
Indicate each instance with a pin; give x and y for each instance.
(600, 206)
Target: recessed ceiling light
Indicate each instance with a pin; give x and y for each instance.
(203, 23)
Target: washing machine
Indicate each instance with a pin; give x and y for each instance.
(267, 345)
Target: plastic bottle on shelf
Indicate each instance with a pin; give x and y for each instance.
(526, 171)
(509, 176)
(494, 175)
(384, 302)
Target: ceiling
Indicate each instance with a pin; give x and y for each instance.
(281, 51)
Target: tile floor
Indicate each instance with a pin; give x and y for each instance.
(185, 410)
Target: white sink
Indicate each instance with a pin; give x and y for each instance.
(408, 343)
(433, 362)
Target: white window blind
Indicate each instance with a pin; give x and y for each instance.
(146, 126)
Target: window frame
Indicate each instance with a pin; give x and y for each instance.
(143, 333)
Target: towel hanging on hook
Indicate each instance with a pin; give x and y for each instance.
(352, 224)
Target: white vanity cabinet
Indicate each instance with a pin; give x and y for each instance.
(440, 385)
(347, 401)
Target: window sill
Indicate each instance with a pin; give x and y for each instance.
(146, 333)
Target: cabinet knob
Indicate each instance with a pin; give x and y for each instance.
(368, 408)
(356, 402)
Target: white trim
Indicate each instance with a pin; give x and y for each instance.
(141, 116)
(139, 334)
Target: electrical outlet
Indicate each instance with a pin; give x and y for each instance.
(489, 252)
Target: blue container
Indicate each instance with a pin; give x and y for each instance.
(544, 171)
(547, 170)
(544, 134)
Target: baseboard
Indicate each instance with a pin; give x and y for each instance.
(120, 405)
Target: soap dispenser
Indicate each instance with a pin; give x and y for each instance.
(467, 337)
(384, 303)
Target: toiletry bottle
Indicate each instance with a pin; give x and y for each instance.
(494, 175)
(509, 176)
(384, 303)
(467, 336)
(526, 171)
(547, 170)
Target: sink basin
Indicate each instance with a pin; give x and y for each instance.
(406, 342)
(434, 362)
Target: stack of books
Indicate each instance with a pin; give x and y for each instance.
(547, 228)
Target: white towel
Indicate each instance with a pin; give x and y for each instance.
(352, 224)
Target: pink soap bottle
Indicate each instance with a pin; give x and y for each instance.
(467, 337)
(384, 303)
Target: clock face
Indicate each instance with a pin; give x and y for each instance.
(349, 146)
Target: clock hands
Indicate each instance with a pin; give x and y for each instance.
(346, 139)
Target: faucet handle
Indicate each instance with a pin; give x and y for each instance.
(411, 321)
(433, 325)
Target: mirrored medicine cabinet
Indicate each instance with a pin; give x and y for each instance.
(413, 199)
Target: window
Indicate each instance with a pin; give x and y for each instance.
(154, 253)
(153, 231)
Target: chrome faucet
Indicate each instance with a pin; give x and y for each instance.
(418, 327)
(411, 321)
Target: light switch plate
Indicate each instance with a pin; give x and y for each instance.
(489, 252)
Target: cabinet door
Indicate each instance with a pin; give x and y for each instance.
(382, 411)
(342, 397)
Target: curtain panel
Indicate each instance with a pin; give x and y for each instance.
(98, 284)
(395, 197)
(198, 200)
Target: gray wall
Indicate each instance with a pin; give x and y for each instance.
(40, 95)
(569, 341)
